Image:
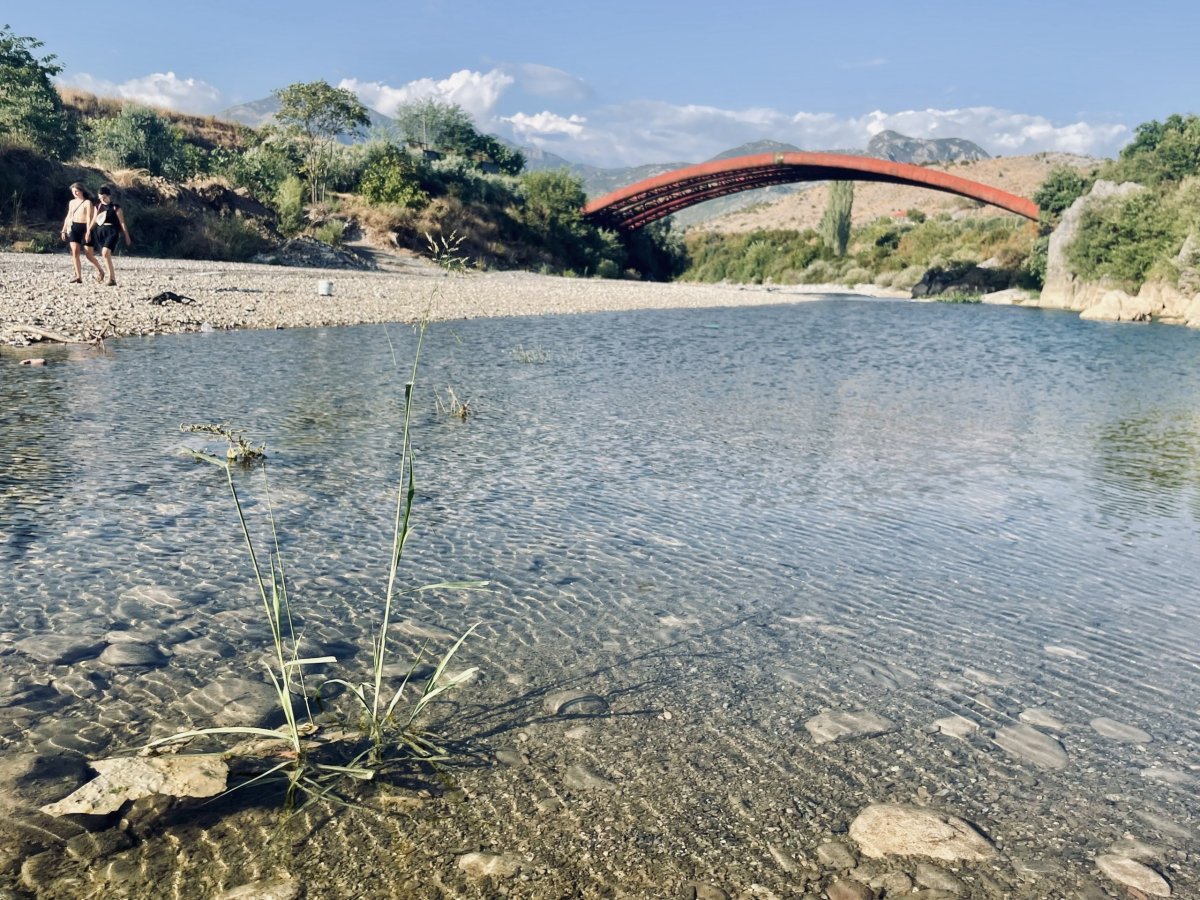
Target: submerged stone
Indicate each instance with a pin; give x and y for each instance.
(495, 865)
(583, 778)
(896, 830)
(134, 777)
(575, 703)
(845, 725)
(1042, 718)
(1119, 731)
(132, 653)
(1133, 874)
(955, 725)
(283, 888)
(1032, 746)
(59, 649)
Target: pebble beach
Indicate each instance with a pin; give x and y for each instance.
(35, 292)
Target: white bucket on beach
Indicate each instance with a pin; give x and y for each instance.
(325, 288)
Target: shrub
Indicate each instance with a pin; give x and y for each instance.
(1123, 237)
(393, 177)
(139, 138)
(261, 169)
(330, 232)
(1062, 187)
(908, 278)
(289, 202)
(818, 272)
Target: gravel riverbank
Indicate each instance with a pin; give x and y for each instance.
(34, 291)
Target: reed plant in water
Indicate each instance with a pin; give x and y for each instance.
(381, 723)
(385, 723)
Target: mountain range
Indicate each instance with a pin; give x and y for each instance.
(598, 181)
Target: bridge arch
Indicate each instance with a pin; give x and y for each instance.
(639, 204)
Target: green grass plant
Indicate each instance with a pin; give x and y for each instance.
(387, 725)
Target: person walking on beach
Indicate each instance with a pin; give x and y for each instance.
(75, 230)
(106, 228)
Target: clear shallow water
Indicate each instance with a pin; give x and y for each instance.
(743, 515)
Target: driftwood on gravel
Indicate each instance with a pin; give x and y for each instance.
(47, 335)
(44, 334)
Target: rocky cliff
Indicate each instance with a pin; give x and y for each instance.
(1177, 302)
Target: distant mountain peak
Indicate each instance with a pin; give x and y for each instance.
(755, 147)
(898, 147)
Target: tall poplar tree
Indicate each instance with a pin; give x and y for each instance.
(835, 223)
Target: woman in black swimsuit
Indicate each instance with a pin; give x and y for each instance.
(75, 229)
(106, 228)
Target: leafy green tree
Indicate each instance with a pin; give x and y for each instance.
(139, 138)
(1160, 151)
(30, 108)
(394, 177)
(435, 124)
(432, 123)
(552, 209)
(318, 113)
(509, 160)
(1062, 187)
(1123, 237)
(835, 223)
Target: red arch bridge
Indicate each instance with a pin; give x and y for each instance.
(641, 203)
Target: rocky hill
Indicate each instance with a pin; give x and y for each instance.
(1021, 175)
(902, 148)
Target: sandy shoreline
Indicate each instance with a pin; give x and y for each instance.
(34, 290)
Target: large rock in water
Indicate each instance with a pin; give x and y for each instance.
(895, 830)
(1169, 302)
(1058, 291)
(962, 278)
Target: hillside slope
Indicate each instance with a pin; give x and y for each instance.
(1021, 175)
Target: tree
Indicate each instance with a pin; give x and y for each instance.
(30, 108)
(139, 138)
(1062, 187)
(835, 223)
(552, 209)
(435, 124)
(319, 113)
(1160, 151)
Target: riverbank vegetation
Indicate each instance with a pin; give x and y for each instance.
(890, 252)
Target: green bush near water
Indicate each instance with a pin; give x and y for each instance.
(1136, 237)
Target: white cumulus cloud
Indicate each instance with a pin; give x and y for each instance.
(651, 131)
(476, 92)
(528, 127)
(162, 89)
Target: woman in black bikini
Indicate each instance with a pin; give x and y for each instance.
(106, 228)
(75, 229)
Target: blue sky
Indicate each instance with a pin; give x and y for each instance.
(624, 83)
